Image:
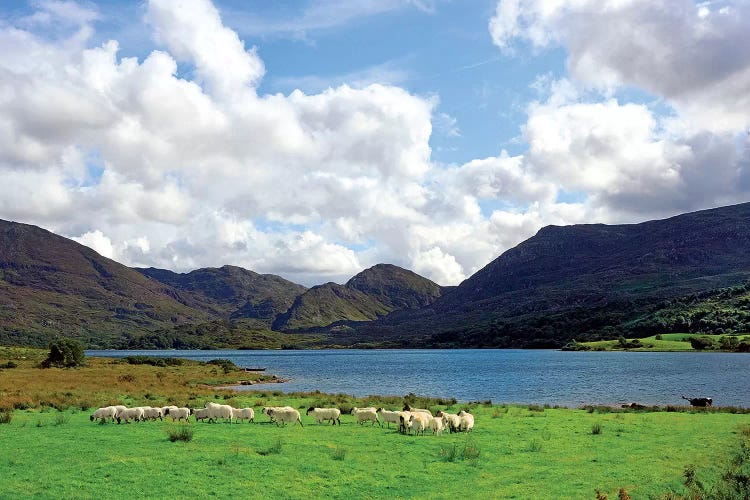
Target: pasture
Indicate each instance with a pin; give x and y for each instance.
(50, 449)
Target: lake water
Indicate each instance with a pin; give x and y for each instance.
(504, 376)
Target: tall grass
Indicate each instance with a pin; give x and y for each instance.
(6, 416)
(180, 433)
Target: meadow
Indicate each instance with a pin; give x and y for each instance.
(513, 452)
(665, 342)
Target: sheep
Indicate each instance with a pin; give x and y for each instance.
(451, 420)
(366, 414)
(268, 410)
(407, 407)
(179, 413)
(165, 410)
(151, 413)
(437, 425)
(244, 413)
(217, 411)
(284, 415)
(419, 421)
(104, 413)
(466, 421)
(388, 416)
(201, 414)
(120, 407)
(129, 414)
(320, 414)
(403, 421)
(700, 402)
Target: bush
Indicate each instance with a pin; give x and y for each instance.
(227, 365)
(65, 353)
(596, 429)
(9, 364)
(6, 416)
(153, 361)
(181, 433)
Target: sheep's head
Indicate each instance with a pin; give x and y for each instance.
(309, 410)
(91, 418)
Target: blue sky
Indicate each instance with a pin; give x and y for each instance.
(313, 139)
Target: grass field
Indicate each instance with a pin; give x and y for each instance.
(667, 342)
(513, 452)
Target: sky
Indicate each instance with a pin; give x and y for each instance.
(315, 138)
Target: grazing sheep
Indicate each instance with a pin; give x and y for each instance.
(151, 413)
(179, 413)
(437, 425)
(366, 415)
(104, 413)
(165, 410)
(217, 411)
(700, 402)
(244, 413)
(403, 422)
(129, 414)
(451, 420)
(388, 416)
(408, 407)
(268, 410)
(320, 414)
(284, 415)
(120, 407)
(466, 421)
(419, 421)
(201, 414)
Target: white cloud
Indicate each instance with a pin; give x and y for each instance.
(97, 241)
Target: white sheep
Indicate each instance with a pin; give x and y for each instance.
(166, 410)
(366, 415)
(451, 421)
(179, 413)
(104, 413)
(466, 421)
(437, 425)
(201, 414)
(320, 414)
(217, 411)
(408, 407)
(244, 413)
(151, 413)
(268, 410)
(403, 421)
(129, 414)
(388, 416)
(284, 415)
(419, 421)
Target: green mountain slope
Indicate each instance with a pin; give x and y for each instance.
(233, 292)
(582, 281)
(367, 296)
(51, 286)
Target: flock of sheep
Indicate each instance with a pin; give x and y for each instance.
(414, 420)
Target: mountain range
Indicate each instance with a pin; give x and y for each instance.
(584, 281)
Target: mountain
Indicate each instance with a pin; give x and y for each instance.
(51, 286)
(371, 294)
(232, 292)
(582, 281)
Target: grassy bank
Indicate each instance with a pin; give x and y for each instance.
(514, 451)
(666, 342)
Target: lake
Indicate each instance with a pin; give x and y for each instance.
(502, 375)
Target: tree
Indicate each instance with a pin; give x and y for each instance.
(65, 353)
(701, 343)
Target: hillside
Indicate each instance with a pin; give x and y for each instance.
(585, 281)
(232, 292)
(51, 286)
(371, 294)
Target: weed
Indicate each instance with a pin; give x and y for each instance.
(546, 435)
(623, 494)
(536, 408)
(454, 453)
(274, 449)
(6, 416)
(61, 419)
(600, 495)
(39, 423)
(497, 413)
(181, 433)
(596, 429)
(534, 446)
(745, 431)
(339, 453)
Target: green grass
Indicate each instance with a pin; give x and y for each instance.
(519, 453)
(671, 342)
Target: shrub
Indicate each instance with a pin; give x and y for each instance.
(180, 433)
(596, 429)
(227, 365)
(61, 419)
(9, 365)
(701, 343)
(153, 361)
(6, 416)
(274, 449)
(65, 353)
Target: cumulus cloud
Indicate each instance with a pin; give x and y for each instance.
(694, 54)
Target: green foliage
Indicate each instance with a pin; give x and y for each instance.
(9, 365)
(153, 361)
(339, 453)
(227, 365)
(6, 416)
(702, 343)
(596, 428)
(274, 449)
(65, 353)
